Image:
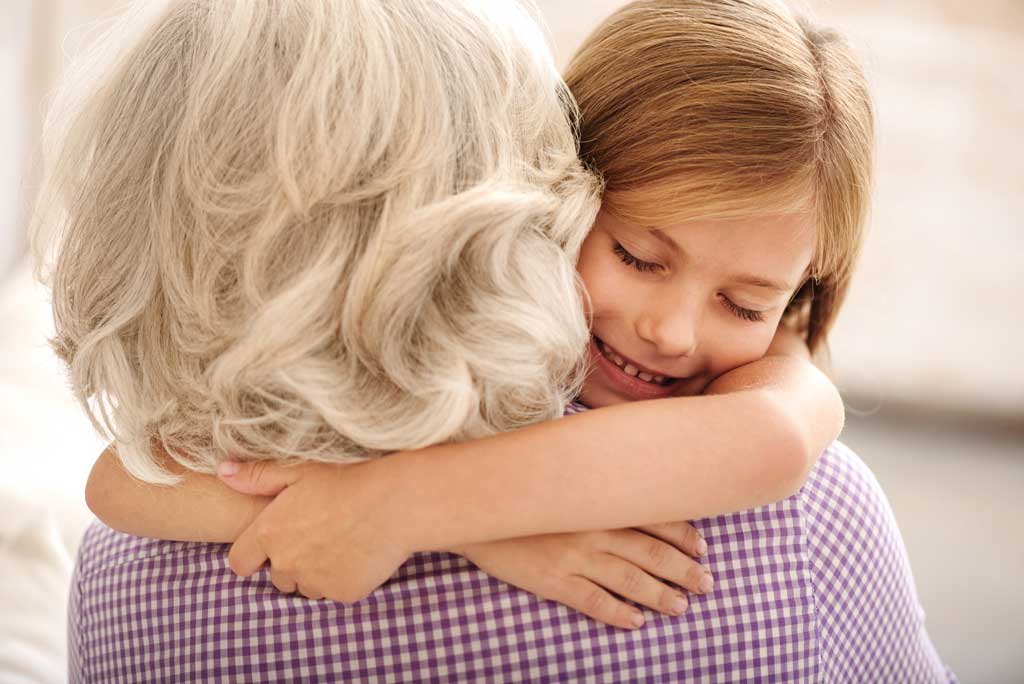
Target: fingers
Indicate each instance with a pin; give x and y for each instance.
(681, 535)
(581, 594)
(660, 559)
(310, 593)
(630, 581)
(261, 478)
(247, 555)
(287, 585)
(282, 581)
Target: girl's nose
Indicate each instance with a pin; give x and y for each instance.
(673, 330)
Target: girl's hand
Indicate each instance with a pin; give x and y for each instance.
(332, 531)
(580, 569)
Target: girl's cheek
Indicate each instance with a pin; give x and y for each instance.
(737, 349)
(608, 294)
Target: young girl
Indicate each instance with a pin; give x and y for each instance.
(735, 144)
(736, 165)
(735, 194)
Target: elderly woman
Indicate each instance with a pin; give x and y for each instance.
(328, 231)
(323, 230)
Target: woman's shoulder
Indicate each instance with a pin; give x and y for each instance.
(864, 591)
(103, 549)
(841, 484)
(848, 521)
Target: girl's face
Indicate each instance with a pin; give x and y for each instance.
(676, 305)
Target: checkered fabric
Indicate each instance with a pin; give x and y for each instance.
(816, 588)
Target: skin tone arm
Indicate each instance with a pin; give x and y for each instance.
(341, 532)
(751, 439)
(579, 569)
(201, 508)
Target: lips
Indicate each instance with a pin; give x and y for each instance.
(627, 384)
(631, 367)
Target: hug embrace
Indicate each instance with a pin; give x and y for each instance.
(416, 359)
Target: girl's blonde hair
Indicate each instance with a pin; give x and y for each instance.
(720, 108)
(315, 229)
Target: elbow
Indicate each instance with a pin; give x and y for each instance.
(827, 422)
(93, 497)
(828, 415)
(98, 488)
(794, 467)
(803, 437)
(793, 454)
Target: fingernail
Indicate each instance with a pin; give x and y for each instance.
(679, 604)
(707, 582)
(228, 468)
(702, 547)
(638, 619)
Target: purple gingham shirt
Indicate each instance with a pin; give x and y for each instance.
(815, 588)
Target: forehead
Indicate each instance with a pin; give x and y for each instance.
(690, 197)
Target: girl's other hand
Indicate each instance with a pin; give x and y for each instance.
(330, 532)
(582, 569)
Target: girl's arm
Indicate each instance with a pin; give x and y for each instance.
(751, 440)
(201, 508)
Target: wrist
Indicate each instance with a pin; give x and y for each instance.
(407, 502)
(437, 500)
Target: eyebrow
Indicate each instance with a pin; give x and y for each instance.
(746, 279)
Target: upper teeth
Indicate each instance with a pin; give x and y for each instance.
(629, 368)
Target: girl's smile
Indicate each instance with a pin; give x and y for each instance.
(675, 306)
(628, 377)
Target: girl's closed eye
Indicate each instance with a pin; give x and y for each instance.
(630, 260)
(649, 266)
(741, 312)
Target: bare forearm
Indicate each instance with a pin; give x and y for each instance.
(626, 465)
(751, 440)
(201, 508)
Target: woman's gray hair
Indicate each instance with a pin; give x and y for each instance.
(316, 229)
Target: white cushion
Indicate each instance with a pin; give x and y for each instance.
(47, 447)
(33, 594)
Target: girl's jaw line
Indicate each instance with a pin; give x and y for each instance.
(623, 383)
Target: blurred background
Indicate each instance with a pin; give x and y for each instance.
(925, 351)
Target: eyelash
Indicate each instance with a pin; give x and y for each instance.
(745, 314)
(630, 260)
(647, 267)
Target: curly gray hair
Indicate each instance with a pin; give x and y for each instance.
(315, 229)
